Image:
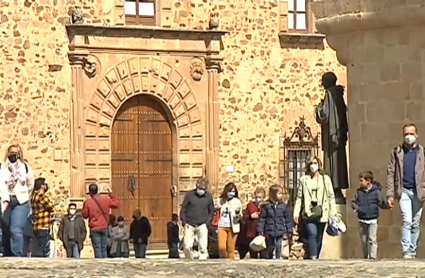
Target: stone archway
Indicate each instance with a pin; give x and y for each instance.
(142, 75)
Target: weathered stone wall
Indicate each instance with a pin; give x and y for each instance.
(385, 66)
(264, 88)
(35, 79)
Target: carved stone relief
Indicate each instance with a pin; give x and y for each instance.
(91, 66)
(77, 16)
(197, 69)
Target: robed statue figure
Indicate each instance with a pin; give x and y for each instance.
(331, 114)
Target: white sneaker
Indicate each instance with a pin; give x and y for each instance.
(202, 256)
(188, 254)
(408, 257)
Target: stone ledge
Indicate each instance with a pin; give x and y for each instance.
(34, 267)
(301, 38)
(139, 31)
(388, 18)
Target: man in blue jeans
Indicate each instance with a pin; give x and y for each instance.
(405, 181)
(96, 210)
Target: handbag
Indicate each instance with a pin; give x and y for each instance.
(104, 216)
(317, 210)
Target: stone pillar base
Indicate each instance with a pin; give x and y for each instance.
(333, 248)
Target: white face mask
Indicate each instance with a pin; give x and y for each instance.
(314, 168)
(410, 139)
(72, 211)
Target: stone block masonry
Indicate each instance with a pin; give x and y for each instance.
(264, 88)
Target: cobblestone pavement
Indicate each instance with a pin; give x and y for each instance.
(23, 268)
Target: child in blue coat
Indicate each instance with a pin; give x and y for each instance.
(275, 221)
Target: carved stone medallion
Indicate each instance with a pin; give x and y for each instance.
(197, 70)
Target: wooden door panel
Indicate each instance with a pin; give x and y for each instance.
(124, 157)
(155, 155)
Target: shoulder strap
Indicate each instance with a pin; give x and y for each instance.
(100, 208)
(325, 191)
(26, 168)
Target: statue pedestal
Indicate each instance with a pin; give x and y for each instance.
(333, 248)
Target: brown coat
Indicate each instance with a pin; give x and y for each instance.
(395, 173)
(80, 231)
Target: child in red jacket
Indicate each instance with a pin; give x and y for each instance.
(250, 216)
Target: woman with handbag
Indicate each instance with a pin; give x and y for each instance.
(229, 221)
(315, 203)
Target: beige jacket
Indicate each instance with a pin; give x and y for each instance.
(122, 238)
(395, 173)
(325, 197)
(233, 205)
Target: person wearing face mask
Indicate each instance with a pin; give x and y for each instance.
(229, 221)
(196, 215)
(16, 185)
(120, 237)
(315, 203)
(251, 215)
(405, 181)
(72, 232)
(42, 210)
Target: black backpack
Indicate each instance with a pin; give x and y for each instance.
(26, 167)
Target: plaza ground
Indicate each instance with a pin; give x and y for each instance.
(30, 267)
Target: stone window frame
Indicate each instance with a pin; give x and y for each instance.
(142, 20)
(286, 35)
(163, 14)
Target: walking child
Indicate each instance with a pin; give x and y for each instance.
(173, 237)
(366, 203)
(275, 221)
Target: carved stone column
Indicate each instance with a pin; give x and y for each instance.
(78, 62)
(213, 144)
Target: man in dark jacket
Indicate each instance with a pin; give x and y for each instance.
(173, 237)
(196, 215)
(72, 232)
(140, 231)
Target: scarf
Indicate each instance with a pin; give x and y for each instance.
(15, 176)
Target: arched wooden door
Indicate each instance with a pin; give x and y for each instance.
(142, 163)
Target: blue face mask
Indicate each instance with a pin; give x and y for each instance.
(200, 192)
(231, 194)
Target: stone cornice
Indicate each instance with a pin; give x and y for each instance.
(142, 32)
(387, 18)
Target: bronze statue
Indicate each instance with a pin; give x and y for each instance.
(331, 114)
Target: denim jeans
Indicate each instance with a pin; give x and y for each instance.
(315, 231)
(73, 251)
(18, 221)
(41, 243)
(173, 251)
(99, 240)
(274, 244)
(411, 212)
(140, 250)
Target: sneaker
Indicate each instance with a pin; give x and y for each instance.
(408, 257)
(188, 254)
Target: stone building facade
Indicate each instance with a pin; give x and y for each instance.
(381, 45)
(228, 95)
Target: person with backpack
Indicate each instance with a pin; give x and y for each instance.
(16, 185)
(406, 182)
(366, 203)
(96, 210)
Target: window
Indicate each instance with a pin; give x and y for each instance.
(140, 12)
(297, 15)
(295, 150)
